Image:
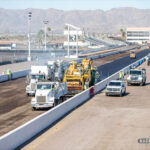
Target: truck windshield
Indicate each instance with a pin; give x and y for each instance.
(132, 52)
(114, 83)
(39, 77)
(43, 86)
(135, 72)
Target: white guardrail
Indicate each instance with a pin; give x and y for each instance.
(20, 135)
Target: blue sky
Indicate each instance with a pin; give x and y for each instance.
(74, 4)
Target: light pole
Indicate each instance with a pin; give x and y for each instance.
(68, 41)
(45, 22)
(77, 43)
(29, 44)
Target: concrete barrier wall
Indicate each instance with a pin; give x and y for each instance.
(18, 136)
(25, 132)
(15, 75)
(20, 74)
(3, 78)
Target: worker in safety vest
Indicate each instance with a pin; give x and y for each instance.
(9, 74)
(121, 75)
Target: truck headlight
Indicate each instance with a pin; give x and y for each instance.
(140, 78)
(28, 88)
(33, 100)
(128, 78)
(119, 90)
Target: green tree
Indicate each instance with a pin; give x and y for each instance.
(48, 31)
(66, 27)
(123, 34)
(40, 37)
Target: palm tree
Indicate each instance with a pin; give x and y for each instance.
(40, 36)
(123, 34)
(66, 27)
(48, 30)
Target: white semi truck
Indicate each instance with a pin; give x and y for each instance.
(37, 73)
(53, 71)
(49, 94)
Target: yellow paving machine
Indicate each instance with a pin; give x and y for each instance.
(79, 76)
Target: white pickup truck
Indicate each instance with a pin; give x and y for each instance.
(49, 94)
(116, 87)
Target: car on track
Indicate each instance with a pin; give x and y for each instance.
(116, 87)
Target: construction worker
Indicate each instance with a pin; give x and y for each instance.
(9, 73)
(121, 75)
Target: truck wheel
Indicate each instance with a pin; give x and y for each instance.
(33, 108)
(128, 83)
(55, 102)
(61, 100)
(141, 84)
(121, 94)
(106, 94)
(124, 92)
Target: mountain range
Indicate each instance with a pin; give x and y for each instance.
(16, 21)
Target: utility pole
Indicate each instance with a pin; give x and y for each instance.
(68, 41)
(77, 43)
(29, 44)
(45, 22)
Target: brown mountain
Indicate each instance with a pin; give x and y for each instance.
(15, 21)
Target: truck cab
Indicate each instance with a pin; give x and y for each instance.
(148, 60)
(37, 73)
(115, 87)
(48, 94)
(137, 76)
(33, 79)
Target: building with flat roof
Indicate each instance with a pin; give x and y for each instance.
(138, 35)
(4, 45)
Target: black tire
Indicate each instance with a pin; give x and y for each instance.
(55, 102)
(106, 94)
(128, 84)
(64, 98)
(61, 100)
(141, 84)
(121, 94)
(33, 108)
(124, 92)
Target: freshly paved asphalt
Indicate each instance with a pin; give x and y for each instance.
(112, 67)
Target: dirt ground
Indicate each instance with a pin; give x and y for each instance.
(15, 107)
(103, 123)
